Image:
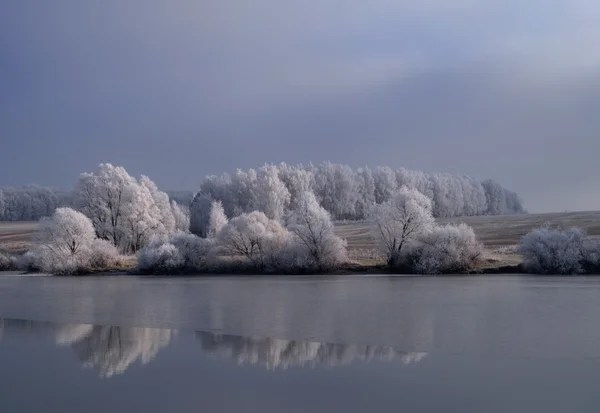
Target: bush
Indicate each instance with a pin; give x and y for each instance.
(261, 241)
(64, 243)
(196, 253)
(103, 254)
(7, 262)
(28, 262)
(591, 256)
(67, 244)
(159, 257)
(185, 253)
(554, 251)
(445, 249)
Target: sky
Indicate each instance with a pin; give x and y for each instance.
(176, 90)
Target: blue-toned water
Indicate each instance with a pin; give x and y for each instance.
(299, 344)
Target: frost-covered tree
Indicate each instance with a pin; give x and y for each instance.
(385, 183)
(181, 214)
(217, 219)
(220, 188)
(335, 187)
(162, 204)
(183, 198)
(29, 203)
(500, 201)
(200, 214)
(255, 237)
(553, 251)
(297, 180)
(102, 197)
(349, 194)
(141, 219)
(64, 242)
(445, 249)
(400, 221)
(475, 202)
(124, 211)
(273, 197)
(314, 236)
(365, 184)
(244, 191)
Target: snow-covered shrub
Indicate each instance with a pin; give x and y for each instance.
(445, 249)
(591, 255)
(553, 251)
(64, 242)
(159, 257)
(314, 239)
(401, 220)
(195, 252)
(258, 239)
(6, 262)
(184, 253)
(27, 262)
(103, 254)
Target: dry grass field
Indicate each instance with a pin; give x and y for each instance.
(15, 237)
(495, 232)
(500, 234)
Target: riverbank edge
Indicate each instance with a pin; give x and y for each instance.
(347, 269)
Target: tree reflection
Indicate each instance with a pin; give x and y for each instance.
(111, 349)
(276, 353)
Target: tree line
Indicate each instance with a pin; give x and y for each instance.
(346, 193)
(349, 194)
(274, 220)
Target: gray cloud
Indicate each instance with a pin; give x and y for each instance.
(507, 90)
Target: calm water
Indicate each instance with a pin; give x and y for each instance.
(308, 344)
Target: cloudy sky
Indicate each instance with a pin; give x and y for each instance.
(178, 89)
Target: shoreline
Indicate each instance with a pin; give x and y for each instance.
(348, 269)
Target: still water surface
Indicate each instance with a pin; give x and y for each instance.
(299, 344)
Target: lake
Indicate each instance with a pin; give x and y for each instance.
(299, 344)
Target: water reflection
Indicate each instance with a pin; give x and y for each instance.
(276, 353)
(108, 349)
(111, 350)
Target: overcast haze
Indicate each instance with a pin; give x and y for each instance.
(504, 89)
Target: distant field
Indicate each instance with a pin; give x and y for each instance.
(16, 236)
(495, 232)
